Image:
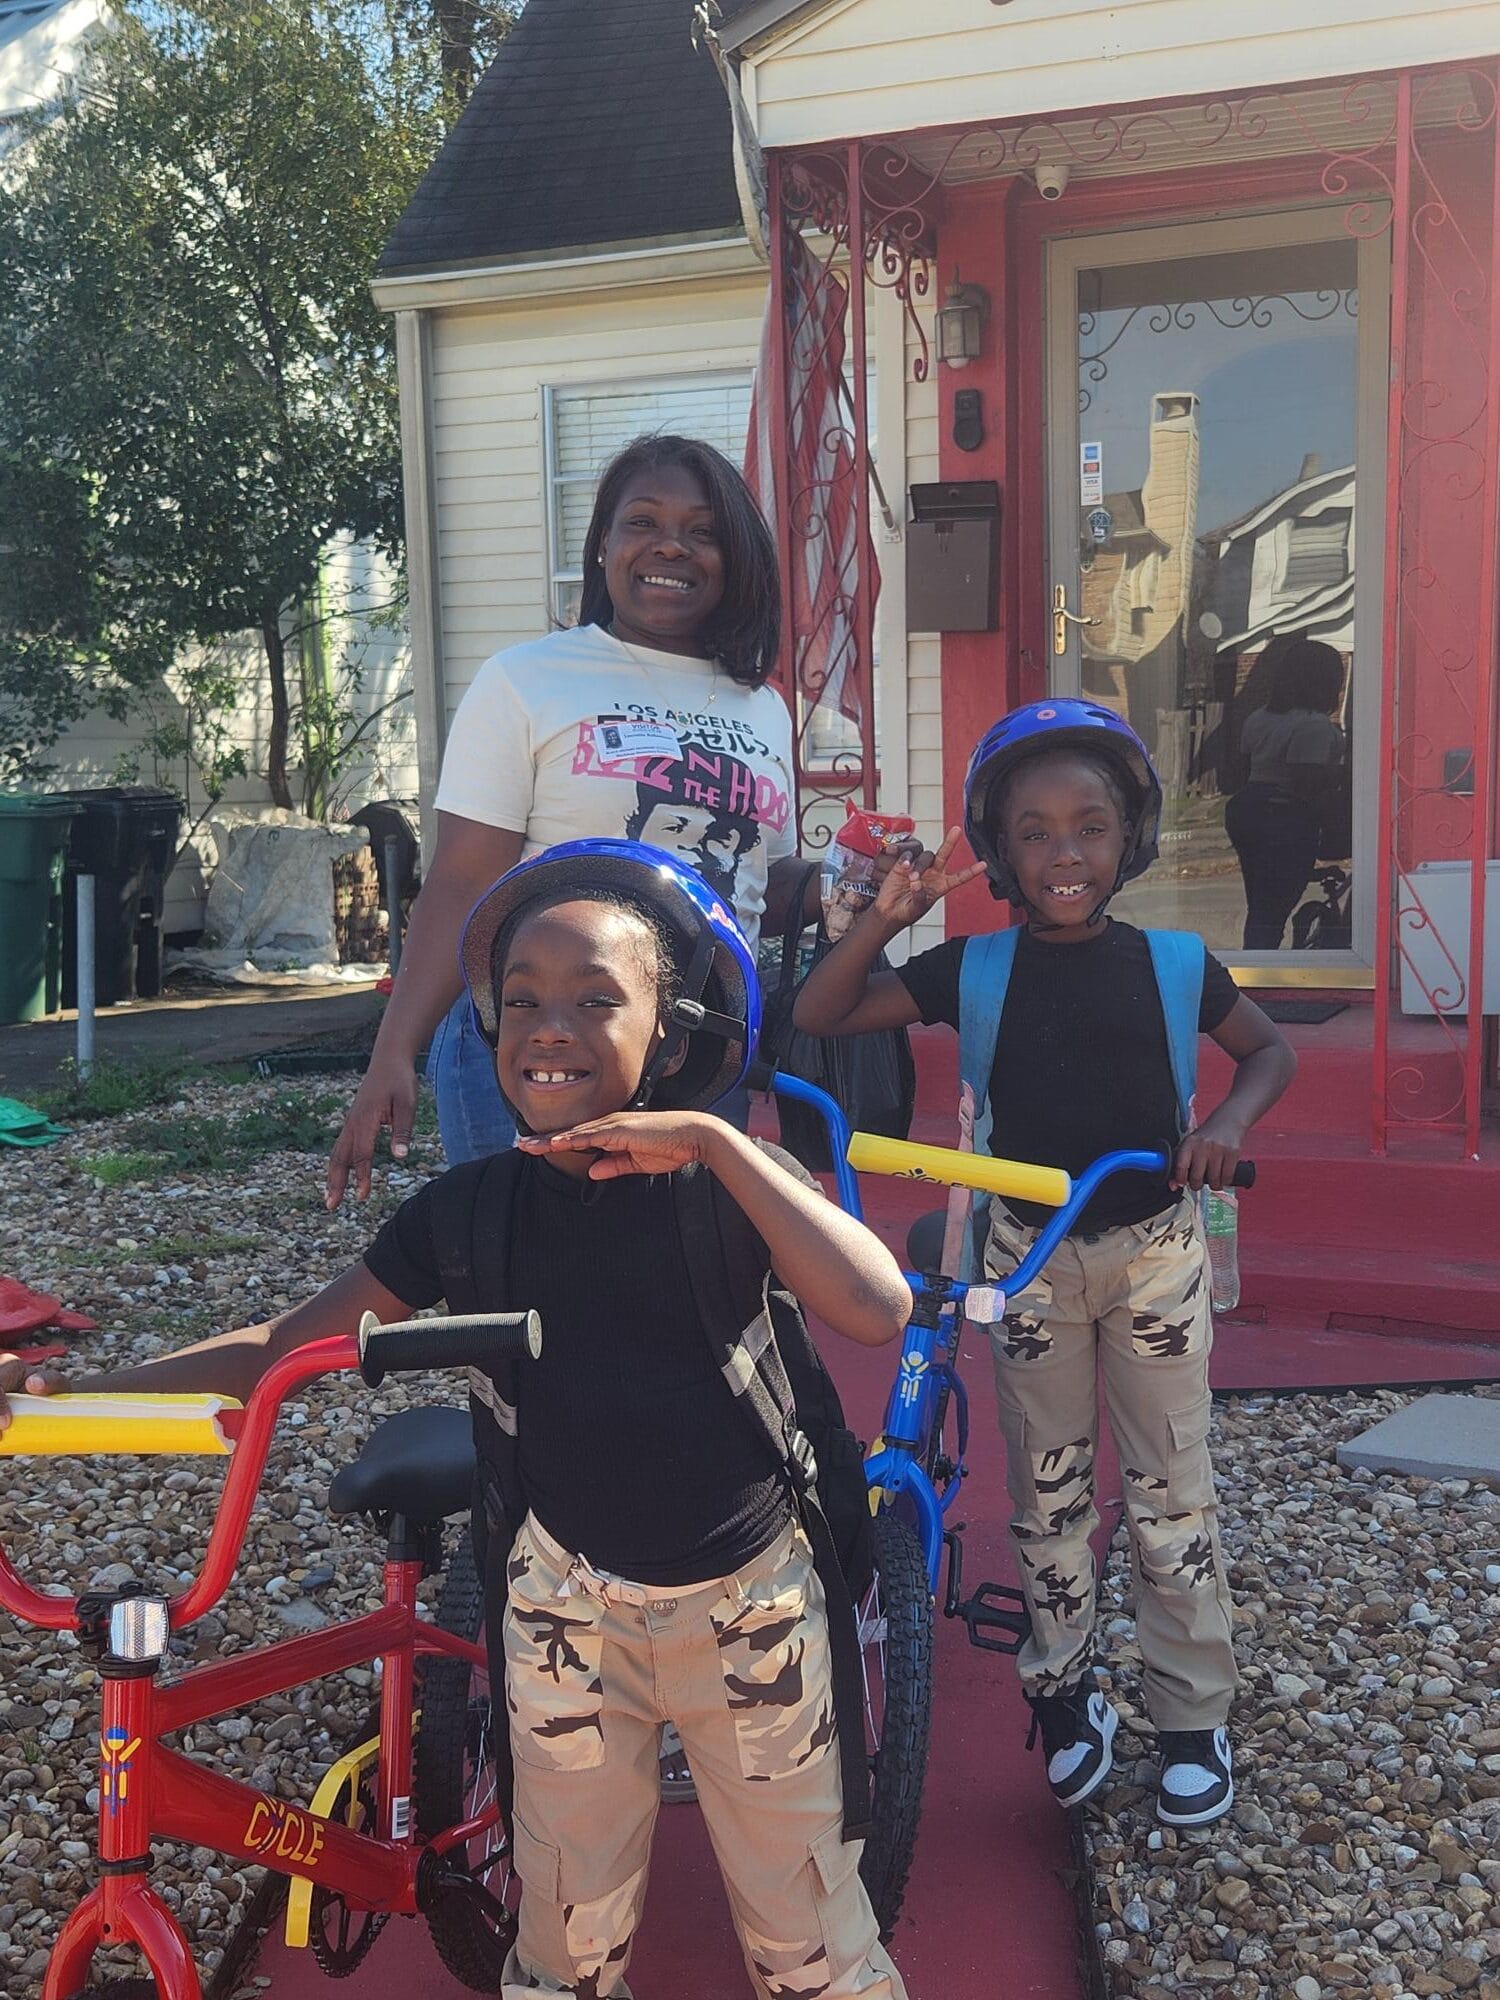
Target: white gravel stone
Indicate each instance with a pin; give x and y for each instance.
(1360, 1858)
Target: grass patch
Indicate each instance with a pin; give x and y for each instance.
(114, 1089)
(193, 1143)
(210, 1243)
(120, 1169)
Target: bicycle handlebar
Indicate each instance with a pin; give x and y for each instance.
(475, 1340)
(454, 1343)
(908, 1161)
(1051, 1186)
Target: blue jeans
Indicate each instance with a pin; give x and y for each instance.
(472, 1115)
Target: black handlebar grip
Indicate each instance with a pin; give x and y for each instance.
(1243, 1175)
(470, 1340)
(760, 1076)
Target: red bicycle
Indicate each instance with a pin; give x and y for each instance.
(357, 1854)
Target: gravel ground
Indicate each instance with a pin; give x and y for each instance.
(158, 1262)
(1361, 1859)
(1361, 1855)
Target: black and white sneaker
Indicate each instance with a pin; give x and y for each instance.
(1077, 1729)
(1197, 1778)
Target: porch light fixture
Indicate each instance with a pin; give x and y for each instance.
(960, 323)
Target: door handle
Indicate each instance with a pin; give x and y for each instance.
(1062, 618)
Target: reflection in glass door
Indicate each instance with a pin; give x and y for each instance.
(1208, 404)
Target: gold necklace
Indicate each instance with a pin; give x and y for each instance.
(648, 670)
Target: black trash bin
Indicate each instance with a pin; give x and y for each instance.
(125, 836)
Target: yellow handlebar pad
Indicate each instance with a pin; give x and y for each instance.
(908, 1161)
(86, 1426)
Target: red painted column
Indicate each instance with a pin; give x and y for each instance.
(1390, 675)
(1486, 668)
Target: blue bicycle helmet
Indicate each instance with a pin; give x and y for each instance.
(717, 1012)
(1059, 724)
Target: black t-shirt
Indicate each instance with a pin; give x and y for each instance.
(1081, 1064)
(632, 1451)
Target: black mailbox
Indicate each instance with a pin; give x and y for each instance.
(953, 557)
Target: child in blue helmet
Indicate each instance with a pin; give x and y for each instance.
(649, 1557)
(1078, 1035)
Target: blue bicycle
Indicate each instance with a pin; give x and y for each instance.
(918, 1463)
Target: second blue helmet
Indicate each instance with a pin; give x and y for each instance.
(1062, 723)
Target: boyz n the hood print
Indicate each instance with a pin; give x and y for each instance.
(703, 786)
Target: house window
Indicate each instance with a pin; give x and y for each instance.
(586, 427)
(1317, 554)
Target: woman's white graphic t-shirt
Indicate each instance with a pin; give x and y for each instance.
(579, 736)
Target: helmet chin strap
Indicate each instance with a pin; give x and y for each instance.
(1035, 921)
(688, 1012)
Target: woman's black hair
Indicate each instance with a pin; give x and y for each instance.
(1308, 674)
(662, 967)
(744, 633)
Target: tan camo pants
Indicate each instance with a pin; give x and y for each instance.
(594, 1666)
(1133, 1304)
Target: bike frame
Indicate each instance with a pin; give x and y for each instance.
(147, 1791)
(897, 1471)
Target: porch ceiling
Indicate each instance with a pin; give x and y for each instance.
(1349, 121)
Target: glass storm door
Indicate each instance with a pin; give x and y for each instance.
(1216, 411)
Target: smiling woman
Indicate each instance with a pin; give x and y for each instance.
(650, 718)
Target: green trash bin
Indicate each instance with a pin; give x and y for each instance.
(33, 839)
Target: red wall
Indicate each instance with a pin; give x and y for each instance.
(995, 235)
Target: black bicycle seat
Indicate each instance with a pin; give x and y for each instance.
(924, 1241)
(419, 1464)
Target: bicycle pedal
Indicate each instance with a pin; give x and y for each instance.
(984, 1614)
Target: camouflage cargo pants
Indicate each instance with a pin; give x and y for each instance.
(594, 1666)
(1132, 1304)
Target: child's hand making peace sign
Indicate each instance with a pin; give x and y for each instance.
(915, 884)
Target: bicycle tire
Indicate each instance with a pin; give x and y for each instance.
(450, 1763)
(898, 1606)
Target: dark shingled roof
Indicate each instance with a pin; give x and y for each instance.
(597, 123)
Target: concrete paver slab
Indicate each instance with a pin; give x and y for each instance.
(1436, 1437)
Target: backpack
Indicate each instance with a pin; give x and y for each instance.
(1177, 958)
(761, 1346)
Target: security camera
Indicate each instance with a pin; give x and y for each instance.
(1051, 179)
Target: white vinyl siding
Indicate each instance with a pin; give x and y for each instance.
(871, 66)
(585, 427)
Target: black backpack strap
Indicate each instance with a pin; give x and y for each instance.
(732, 1294)
(791, 932)
(471, 1226)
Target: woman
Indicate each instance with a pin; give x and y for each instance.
(1295, 751)
(650, 718)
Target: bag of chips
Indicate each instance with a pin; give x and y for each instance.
(849, 885)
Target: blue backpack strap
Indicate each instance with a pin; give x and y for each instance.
(983, 981)
(1178, 958)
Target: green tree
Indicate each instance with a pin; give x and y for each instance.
(196, 389)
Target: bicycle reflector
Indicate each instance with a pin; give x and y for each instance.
(139, 1629)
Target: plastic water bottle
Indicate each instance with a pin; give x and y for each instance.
(1221, 1225)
